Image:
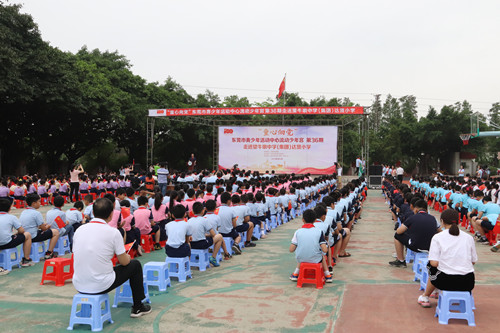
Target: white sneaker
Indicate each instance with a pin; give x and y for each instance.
(495, 247)
(424, 301)
(3, 271)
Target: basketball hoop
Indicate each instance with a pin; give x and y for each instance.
(465, 138)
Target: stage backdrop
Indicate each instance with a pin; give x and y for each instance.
(285, 149)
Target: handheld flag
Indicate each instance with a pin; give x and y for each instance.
(60, 222)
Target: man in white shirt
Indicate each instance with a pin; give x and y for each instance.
(162, 173)
(400, 172)
(94, 245)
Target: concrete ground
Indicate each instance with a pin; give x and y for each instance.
(252, 292)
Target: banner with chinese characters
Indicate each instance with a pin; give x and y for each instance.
(324, 110)
(285, 149)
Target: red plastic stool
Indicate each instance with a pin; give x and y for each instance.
(44, 201)
(58, 275)
(163, 243)
(147, 243)
(19, 203)
(94, 196)
(332, 249)
(311, 273)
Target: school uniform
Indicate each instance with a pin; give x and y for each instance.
(213, 220)
(7, 223)
(241, 211)
(176, 246)
(491, 211)
(308, 240)
(51, 216)
(199, 227)
(89, 211)
(226, 215)
(74, 217)
(84, 188)
(31, 219)
(421, 228)
(133, 205)
(142, 218)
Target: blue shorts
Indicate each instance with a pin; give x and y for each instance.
(242, 228)
(202, 244)
(181, 252)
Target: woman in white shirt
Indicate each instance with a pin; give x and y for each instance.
(451, 258)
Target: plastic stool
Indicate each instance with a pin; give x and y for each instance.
(460, 301)
(243, 236)
(19, 203)
(256, 231)
(274, 224)
(311, 273)
(62, 246)
(419, 264)
(162, 279)
(199, 258)
(292, 213)
(37, 251)
(229, 244)
(123, 294)
(424, 278)
(179, 268)
(44, 201)
(6, 260)
(90, 312)
(147, 243)
(410, 255)
(58, 275)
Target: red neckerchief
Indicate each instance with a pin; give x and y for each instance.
(308, 225)
(142, 207)
(422, 212)
(72, 209)
(99, 222)
(179, 220)
(3, 213)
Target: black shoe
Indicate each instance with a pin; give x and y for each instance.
(397, 263)
(330, 269)
(157, 246)
(254, 238)
(50, 255)
(27, 262)
(484, 240)
(236, 249)
(143, 309)
(250, 244)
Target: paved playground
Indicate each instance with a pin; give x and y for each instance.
(252, 292)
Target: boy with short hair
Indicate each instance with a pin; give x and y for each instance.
(228, 219)
(32, 222)
(486, 219)
(203, 235)
(309, 245)
(178, 234)
(74, 215)
(7, 240)
(88, 212)
(143, 218)
(214, 220)
(131, 198)
(56, 212)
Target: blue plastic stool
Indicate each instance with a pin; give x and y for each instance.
(123, 294)
(460, 301)
(243, 238)
(410, 255)
(90, 312)
(274, 223)
(425, 277)
(37, 251)
(179, 268)
(161, 279)
(6, 260)
(256, 231)
(292, 213)
(62, 246)
(229, 244)
(199, 258)
(419, 264)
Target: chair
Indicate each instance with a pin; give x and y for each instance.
(91, 311)
(147, 243)
(455, 305)
(312, 274)
(179, 268)
(229, 244)
(37, 251)
(419, 264)
(7, 260)
(62, 246)
(58, 275)
(161, 279)
(123, 294)
(410, 255)
(199, 258)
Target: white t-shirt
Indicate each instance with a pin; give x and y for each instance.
(455, 254)
(400, 171)
(94, 245)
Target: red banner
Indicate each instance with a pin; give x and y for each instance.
(324, 110)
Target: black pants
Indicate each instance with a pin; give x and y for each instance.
(74, 188)
(132, 272)
(134, 234)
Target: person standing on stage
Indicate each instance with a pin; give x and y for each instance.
(191, 163)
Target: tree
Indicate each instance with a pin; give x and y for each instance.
(376, 114)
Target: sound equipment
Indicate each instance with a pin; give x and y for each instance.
(375, 170)
(374, 181)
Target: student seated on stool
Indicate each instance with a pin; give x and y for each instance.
(178, 234)
(309, 245)
(9, 241)
(94, 245)
(448, 271)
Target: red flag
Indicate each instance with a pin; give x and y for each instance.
(282, 88)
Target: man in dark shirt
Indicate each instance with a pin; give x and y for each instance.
(415, 233)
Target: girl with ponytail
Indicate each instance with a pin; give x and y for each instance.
(452, 256)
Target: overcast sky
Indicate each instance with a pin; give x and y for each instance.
(440, 51)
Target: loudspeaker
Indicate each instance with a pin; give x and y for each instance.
(375, 181)
(375, 170)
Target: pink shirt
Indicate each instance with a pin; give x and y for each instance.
(208, 196)
(160, 214)
(189, 203)
(114, 221)
(127, 220)
(74, 176)
(142, 216)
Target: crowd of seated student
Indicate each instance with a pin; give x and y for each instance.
(475, 199)
(328, 224)
(454, 197)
